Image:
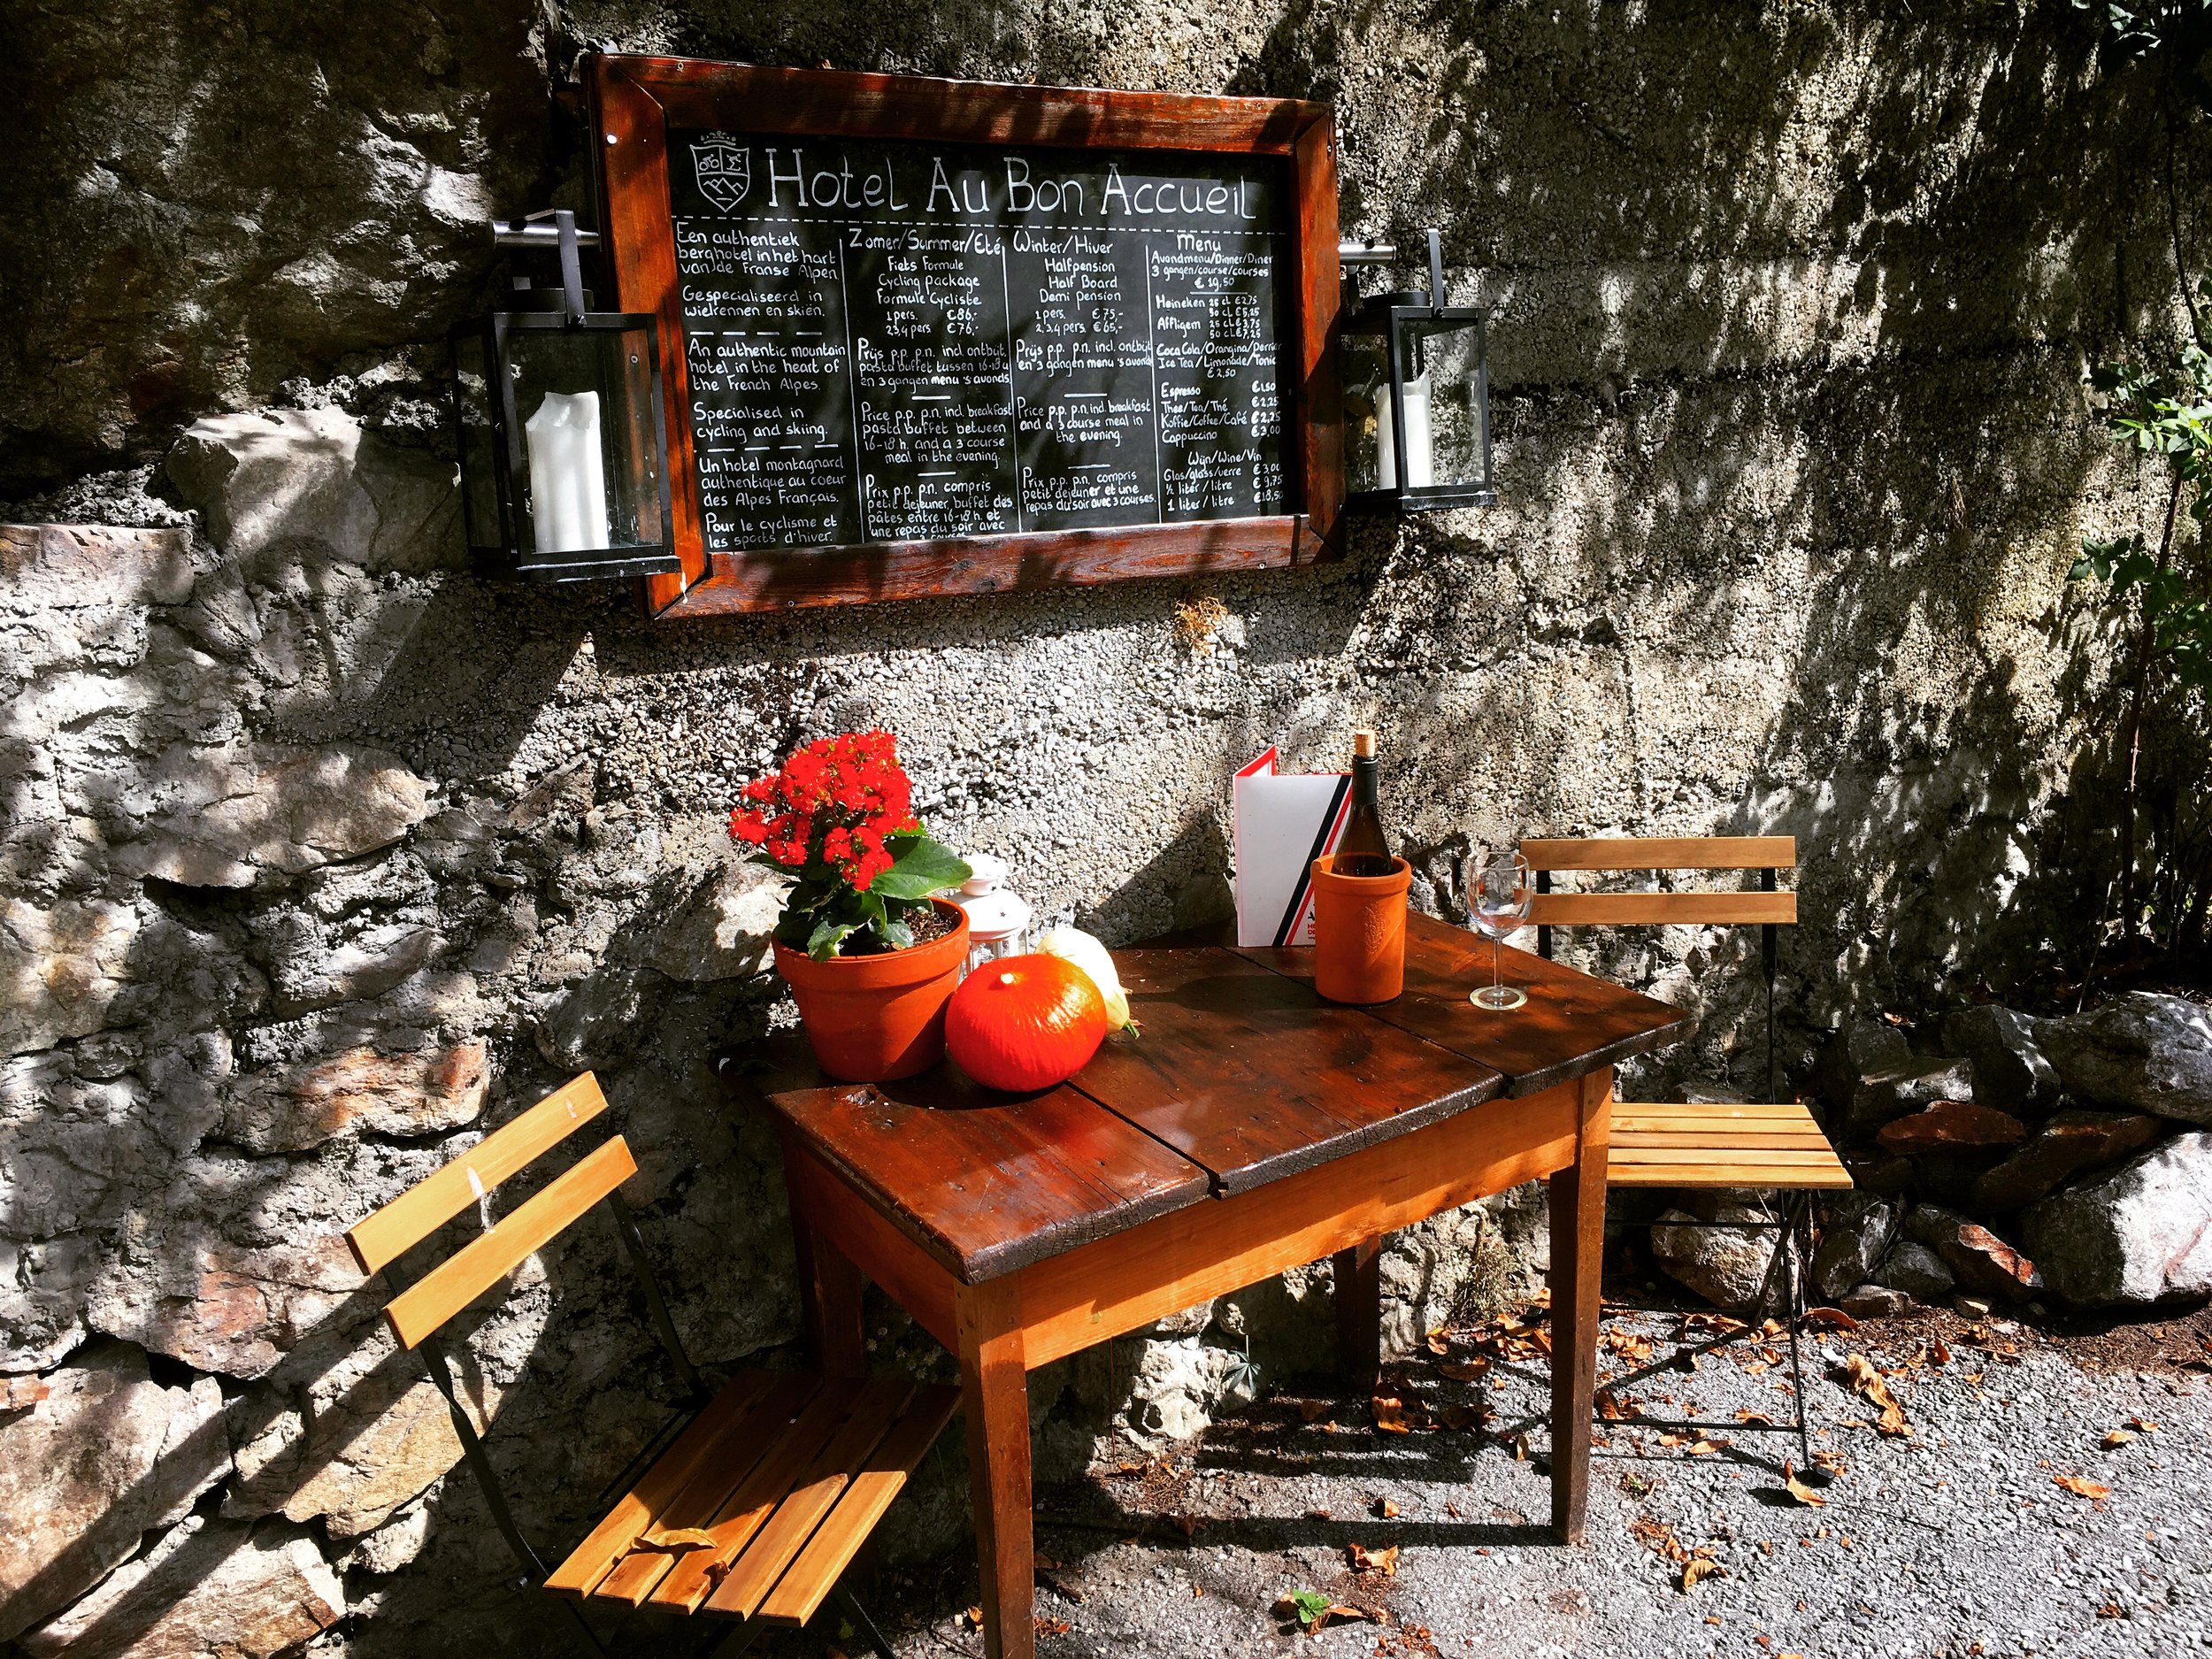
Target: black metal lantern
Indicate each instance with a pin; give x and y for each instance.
(556, 413)
(1417, 395)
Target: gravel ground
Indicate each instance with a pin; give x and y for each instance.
(1951, 1539)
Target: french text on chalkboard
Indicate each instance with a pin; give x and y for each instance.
(891, 340)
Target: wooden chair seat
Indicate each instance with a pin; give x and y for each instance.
(757, 1508)
(1771, 1144)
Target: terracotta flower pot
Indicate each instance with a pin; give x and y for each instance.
(1359, 933)
(872, 1018)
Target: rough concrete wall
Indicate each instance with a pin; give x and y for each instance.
(321, 855)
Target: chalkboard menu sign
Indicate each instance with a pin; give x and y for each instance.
(909, 362)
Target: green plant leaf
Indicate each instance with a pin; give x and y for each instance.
(922, 867)
(828, 933)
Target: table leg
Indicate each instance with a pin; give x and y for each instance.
(829, 1301)
(994, 1391)
(1359, 1312)
(1577, 1255)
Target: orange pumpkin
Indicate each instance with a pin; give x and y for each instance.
(1024, 1023)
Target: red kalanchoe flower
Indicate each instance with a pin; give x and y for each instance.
(833, 802)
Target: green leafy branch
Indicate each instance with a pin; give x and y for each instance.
(2165, 411)
(2178, 618)
(2177, 31)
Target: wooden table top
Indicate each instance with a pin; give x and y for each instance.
(1242, 1074)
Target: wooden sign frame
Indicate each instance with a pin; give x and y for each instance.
(635, 100)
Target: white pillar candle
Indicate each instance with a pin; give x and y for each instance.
(1386, 439)
(568, 474)
(1420, 444)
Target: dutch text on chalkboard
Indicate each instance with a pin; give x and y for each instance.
(888, 341)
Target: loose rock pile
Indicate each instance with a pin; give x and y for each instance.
(2067, 1159)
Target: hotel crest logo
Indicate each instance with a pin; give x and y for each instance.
(724, 169)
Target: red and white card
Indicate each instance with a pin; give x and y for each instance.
(1284, 822)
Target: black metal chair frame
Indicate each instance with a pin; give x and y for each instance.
(1793, 1230)
(438, 1364)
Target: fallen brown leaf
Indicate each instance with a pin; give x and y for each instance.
(1436, 1343)
(1463, 1371)
(1390, 1415)
(2141, 1425)
(974, 1616)
(678, 1538)
(1382, 1560)
(1386, 1508)
(2117, 1438)
(1630, 1346)
(1699, 1568)
(1339, 1609)
(1868, 1382)
(1939, 1352)
(1798, 1490)
(1314, 1410)
(2081, 1485)
(1745, 1414)
(1052, 1627)
(1830, 1319)
(1461, 1417)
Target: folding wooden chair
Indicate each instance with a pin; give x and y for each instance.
(753, 1500)
(1773, 1144)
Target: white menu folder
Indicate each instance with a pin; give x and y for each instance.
(1284, 822)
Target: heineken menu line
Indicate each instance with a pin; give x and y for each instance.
(890, 341)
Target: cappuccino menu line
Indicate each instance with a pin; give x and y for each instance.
(892, 342)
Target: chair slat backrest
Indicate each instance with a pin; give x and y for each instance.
(1765, 907)
(1653, 852)
(437, 1198)
(1602, 853)
(1654, 910)
(420, 1310)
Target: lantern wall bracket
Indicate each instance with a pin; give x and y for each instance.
(554, 230)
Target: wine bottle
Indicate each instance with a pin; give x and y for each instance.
(1363, 850)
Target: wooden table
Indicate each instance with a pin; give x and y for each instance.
(1252, 1128)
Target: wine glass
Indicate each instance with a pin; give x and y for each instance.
(1498, 894)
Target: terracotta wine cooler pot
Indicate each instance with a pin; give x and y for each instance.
(1359, 933)
(873, 1018)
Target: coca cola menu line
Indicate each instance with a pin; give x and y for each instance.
(891, 340)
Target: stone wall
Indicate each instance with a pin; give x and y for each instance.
(318, 855)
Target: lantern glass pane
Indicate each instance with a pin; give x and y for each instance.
(584, 398)
(1446, 409)
(481, 458)
(1366, 370)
